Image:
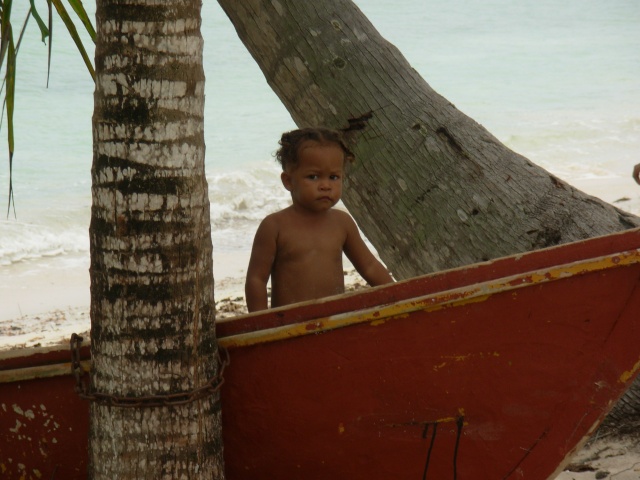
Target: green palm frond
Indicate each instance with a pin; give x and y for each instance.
(9, 52)
(5, 29)
(10, 97)
(44, 31)
(78, 7)
(71, 28)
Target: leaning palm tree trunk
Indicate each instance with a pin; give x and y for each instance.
(156, 410)
(431, 188)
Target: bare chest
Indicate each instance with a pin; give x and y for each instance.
(315, 244)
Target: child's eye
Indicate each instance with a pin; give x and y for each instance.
(312, 176)
(335, 177)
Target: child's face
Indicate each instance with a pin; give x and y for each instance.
(315, 182)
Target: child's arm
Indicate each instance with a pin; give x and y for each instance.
(367, 265)
(263, 255)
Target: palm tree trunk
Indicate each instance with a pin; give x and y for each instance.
(152, 307)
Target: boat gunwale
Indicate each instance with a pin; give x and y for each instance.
(466, 275)
(40, 371)
(434, 301)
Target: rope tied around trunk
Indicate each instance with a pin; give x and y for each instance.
(83, 389)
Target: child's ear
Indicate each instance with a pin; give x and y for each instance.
(286, 180)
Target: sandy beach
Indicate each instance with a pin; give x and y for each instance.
(43, 309)
(605, 458)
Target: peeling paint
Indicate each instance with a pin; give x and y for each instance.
(314, 326)
(626, 376)
(451, 419)
(17, 427)
(438, 367)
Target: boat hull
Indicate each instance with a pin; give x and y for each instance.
(488, 390)
(494, 371)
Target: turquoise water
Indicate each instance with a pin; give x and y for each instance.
(556, 81)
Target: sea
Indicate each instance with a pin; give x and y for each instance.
(557, 81)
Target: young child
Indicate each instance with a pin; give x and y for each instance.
(301, 247)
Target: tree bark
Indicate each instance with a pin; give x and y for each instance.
(152, 305)
(431, 188)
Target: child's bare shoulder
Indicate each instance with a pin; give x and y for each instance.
(343, 218)
(276, 217)
(269, 226)
(274, 222)
(281, 217)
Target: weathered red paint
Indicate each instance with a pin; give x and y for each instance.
(44, 425)
(512, 384)
(497, 385)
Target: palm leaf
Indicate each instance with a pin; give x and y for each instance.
(50, 23)
(5, 29)
(9, 50)
(71, 28)
(10, 96)
(24, 27)
(78, 7)
(44, 31)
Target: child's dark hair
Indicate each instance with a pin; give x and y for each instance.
(290, 142)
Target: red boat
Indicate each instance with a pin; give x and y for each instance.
(498, 370)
